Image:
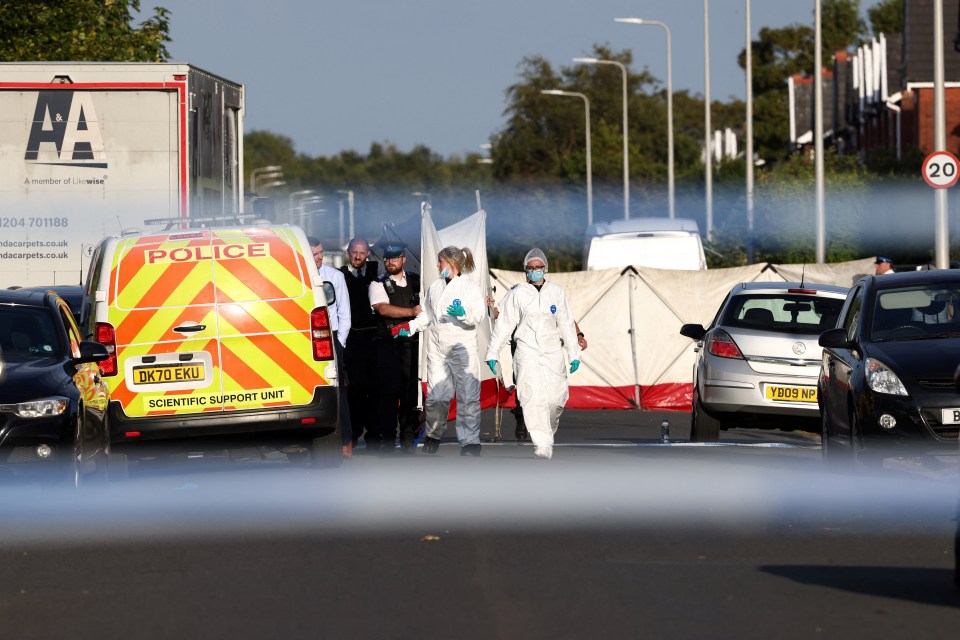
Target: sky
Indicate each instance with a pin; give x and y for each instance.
(337, 75)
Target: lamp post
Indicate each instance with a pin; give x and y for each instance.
(626, 145)
(941, 243)
(821, 249)
(486, 146)
(748, 149)
(271, 171)
(303, 210)
(670, 174)
(292, 200)
(349, 194)
(707, 127)
(586, 104)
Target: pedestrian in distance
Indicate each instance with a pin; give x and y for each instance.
(452, 311)
(395, 298)
(537, 314)
(361, 352)
(340, 322)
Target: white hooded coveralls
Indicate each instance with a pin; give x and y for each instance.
(541, 319)
(452, 356)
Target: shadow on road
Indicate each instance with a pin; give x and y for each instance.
(926, 586)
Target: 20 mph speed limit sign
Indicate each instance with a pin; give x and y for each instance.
(940, 169)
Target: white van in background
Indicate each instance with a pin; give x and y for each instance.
(661, 243)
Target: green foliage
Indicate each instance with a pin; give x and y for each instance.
(81, 30)
(886, 17)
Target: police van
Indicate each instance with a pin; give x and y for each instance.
(215, 333)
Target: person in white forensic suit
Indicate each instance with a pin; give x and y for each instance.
(452, 311)
(537, 314)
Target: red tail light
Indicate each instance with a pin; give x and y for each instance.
(321, 334)
(722, 345)
(108, 338)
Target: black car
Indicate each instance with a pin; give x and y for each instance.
(886, 380)
(52, 400)
(72, 294)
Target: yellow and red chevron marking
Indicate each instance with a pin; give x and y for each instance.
(250, 287)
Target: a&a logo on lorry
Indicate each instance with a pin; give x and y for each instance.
(68, 121)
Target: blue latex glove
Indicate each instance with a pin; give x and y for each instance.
(403, 333)
(456, 310)
(493, 366)
(574, 365)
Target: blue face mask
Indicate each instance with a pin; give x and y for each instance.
(445, 274)
(535, 276)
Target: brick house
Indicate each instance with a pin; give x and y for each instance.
(881, 95)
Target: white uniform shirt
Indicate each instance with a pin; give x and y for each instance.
(441, 295)
(339, 311)
(378, 294)
(541, 318)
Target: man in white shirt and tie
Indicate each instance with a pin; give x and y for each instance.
(340, 321)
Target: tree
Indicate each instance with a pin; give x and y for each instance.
(544, 135)
(886, 17)
(81, 30)
(781, 53)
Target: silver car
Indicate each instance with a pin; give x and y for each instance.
(758, 362)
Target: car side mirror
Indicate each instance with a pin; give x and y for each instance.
(694, 331)
(329, 293)
(91, 352)
(835, 339)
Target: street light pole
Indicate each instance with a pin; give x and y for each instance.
(707, 127)
(586, 104)
(941, 254)
(818, 133)
(626, 128)
(292, 198)
(274, 169)
(748, 151)
(349, 193)
(670, 174)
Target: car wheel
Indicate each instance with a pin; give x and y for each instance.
(325, 451)
(703, 426)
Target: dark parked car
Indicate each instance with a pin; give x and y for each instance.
(72, 294)
(52, 400)
(886, 380)
(757, 362)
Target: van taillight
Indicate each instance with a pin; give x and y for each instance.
(107, 337)
(321, 334)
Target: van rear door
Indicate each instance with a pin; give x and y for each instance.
(264, 292)
(162, 305)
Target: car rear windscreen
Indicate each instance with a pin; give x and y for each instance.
(783, 313)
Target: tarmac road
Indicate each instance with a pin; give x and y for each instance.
(618, 536)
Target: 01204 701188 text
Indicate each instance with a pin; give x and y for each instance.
(22, 222)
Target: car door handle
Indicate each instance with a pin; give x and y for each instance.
(190, 328)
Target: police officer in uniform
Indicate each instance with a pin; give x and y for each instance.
(395, 299)
(361, 354)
